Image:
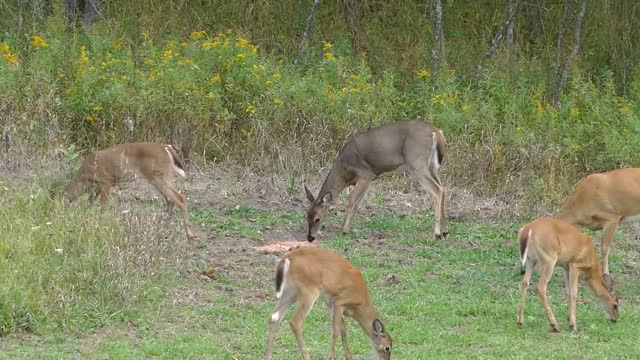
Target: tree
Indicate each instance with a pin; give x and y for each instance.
(505, 31)
(90, 9)
(438, 58)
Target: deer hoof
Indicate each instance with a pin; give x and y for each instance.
(519, 325)
(555, 328)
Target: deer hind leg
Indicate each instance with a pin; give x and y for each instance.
(608, 230)
(546, 270)
(523, 291)
(102, 191)
(574, 275)
(287, 299)
(433, 185)
(167, 189)
(305, 303)
(357, 194)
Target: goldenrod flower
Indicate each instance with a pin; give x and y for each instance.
(124, 77)
(198, 35)
(38, 41)
(241, 42)
(518, 129)
(250, 109)
(168, 53)
(90, 120)
(11, 58)
(277, 101)
(329, 56)
(92, 68)
(241, 56)
(215, 78)
(254, 49)
(618, 99)
(466, 108)
(423, 74)
(625, 110)
(83, 54)
(104, 64)
(539, 107)
(575, 111)
(326, 46)
(4, 48)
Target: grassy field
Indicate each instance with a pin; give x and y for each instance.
(438, 299)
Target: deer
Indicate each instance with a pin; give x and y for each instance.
(603, 201)
(118, 164)
(412, 146)
(547, 242)
(302, 275)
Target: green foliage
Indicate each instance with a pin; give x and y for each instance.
(70, 268)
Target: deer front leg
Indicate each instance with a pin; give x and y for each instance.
(354, 201)
(608, 230)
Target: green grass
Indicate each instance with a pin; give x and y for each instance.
(454, 298)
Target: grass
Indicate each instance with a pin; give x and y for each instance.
(452, 298)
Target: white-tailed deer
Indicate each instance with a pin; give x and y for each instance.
(547, 242)
(106, 168)
(602, 202)
(412, 145)
(303, 275)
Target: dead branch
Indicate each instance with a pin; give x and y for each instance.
(502, 32)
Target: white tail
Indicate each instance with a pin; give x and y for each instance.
(526, 249)
(178, 170)
(413, 145)
(302, 276)
(109, 167)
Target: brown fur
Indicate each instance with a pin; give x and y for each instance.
(601, 202)
(118, 164)
(548, 242)
(314, 272)
(401, 145)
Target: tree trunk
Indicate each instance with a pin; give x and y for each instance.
(247, 7)
(352, 14)
(305, 36)
(560, 46)
(438, 57)
(574, 52)
(512, 9)
(90, 10)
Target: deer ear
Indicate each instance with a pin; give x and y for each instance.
(608, 281)
(326, 198)
(378, 327)
(309, 194)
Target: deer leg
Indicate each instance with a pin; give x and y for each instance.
(567, 282)
(573, 295)
(443, 214)
(287, 299)
(305, 303)
(608, 230)
(357, 194)
(545, 275)
(103, 191)
(523, 291)
(169, 192)
(437, 193)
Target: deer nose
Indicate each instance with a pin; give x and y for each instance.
(310, 238)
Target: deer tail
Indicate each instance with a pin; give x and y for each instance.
(178, 166)
(281, 276)
(524, 236)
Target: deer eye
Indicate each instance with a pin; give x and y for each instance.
(317, 220)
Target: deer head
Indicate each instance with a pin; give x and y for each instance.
(381, 340)
(316, 212)
(610, 306)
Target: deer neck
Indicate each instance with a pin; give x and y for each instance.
(334, 183)
(365, 315)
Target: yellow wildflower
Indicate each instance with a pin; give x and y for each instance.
(104, 78)
(171, 44)
(83, 54)
(250, 109)
(466, 108)
(326, 46)
(254, 49)
(575, 111)
(329, 56)
(241, 42)
(147, 61)
(198, 34)
(438, 99)
(618, 99)
(4, 48)
(276, 74)
(184, 44)
(90, 120)
(539, 108)
(240, 56)
(186, 62)
(268, 82)
(167, 53)
(211, 96)
(423, 74)
(277, 101)
(103, 64)
(216, 78)
(38, 41)
(625, 110)
(124, 77)
(518, 129)
(11, 58)
(92, 68)
(145, 36)
(354, 90)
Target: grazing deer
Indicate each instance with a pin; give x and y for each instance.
(547, 242)
(602, 202)
(412, 145)
(303, 275)
(155, 162)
